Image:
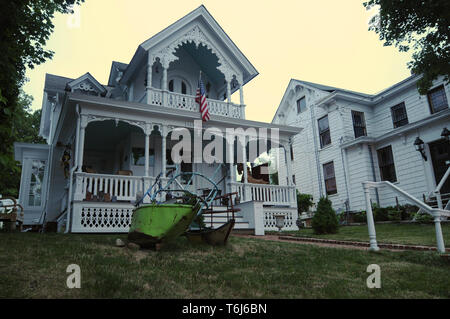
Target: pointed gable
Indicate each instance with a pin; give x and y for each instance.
(200, 28)
(86, 84)
(296, 90)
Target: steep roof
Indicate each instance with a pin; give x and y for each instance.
(55, 82)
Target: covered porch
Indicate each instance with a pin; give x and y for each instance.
(118, 159)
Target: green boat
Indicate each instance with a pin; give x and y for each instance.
(157, 223)
(160, 223)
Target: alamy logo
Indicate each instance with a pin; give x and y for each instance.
(74, 279)
(374, 280)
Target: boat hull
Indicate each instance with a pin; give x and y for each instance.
(159, 223)
(215, 237)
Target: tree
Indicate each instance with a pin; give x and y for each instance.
(26, 25)
(325, 220)
(304, 202)
(422, 26)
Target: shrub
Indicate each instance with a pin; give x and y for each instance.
(424, 218)
(380, 214)
(325, 220)
(394, 215)
(408, 211)
(360, 217)
(304, 202)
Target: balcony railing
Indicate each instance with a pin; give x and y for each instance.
(187, 102)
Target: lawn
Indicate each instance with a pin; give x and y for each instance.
(34, 266)
(409, 234)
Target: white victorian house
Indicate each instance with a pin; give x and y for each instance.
(107, 142)
(349, 138)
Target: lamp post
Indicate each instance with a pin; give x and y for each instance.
(419, 144)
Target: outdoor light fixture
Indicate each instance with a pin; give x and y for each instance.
(419, 144)
(446, 134)
(279, 222)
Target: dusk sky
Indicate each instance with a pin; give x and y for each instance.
(322, 41)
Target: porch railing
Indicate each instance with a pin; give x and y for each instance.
(268, 194)
(118, 187)
(187, 102)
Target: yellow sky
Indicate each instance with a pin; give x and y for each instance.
(322, 41)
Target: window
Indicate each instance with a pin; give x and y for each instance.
(386, 164)
(183, 87)
(359, 124)
(292, 152)
(330, 179)
(301, 105)
(324, 131)
(293, 179)
(399, 116)
(171, 85)
(36, 182)
(437, 99)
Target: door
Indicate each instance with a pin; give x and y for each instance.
(440, 153)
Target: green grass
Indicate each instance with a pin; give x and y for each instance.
(408, 234)
(34, 266)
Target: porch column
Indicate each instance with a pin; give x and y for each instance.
(148, 129)
(163, 150)
(149, 78)
(287, 152)
(164, 85)
(244, 156)
(247, 190)
(241, 94)
(229, 91)
(83, 125)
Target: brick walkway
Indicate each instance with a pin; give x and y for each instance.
(339, 243)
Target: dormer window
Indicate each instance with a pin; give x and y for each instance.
(301, 105)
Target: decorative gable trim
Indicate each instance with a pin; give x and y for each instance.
(86, 84)
(200, 24)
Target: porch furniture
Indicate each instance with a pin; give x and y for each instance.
(9, 214)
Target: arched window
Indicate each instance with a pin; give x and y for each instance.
(183, 87)
(171, 85)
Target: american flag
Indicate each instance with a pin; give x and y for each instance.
(201, 100)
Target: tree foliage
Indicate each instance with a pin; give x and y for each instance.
(26, 25)
(422, 26)
(304, 202)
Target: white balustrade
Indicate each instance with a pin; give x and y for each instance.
(122, 188)
(187, 102)
(268, 194)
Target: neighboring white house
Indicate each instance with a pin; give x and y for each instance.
(125, 127)
(350, 137)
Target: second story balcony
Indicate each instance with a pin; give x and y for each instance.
(186, 102)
